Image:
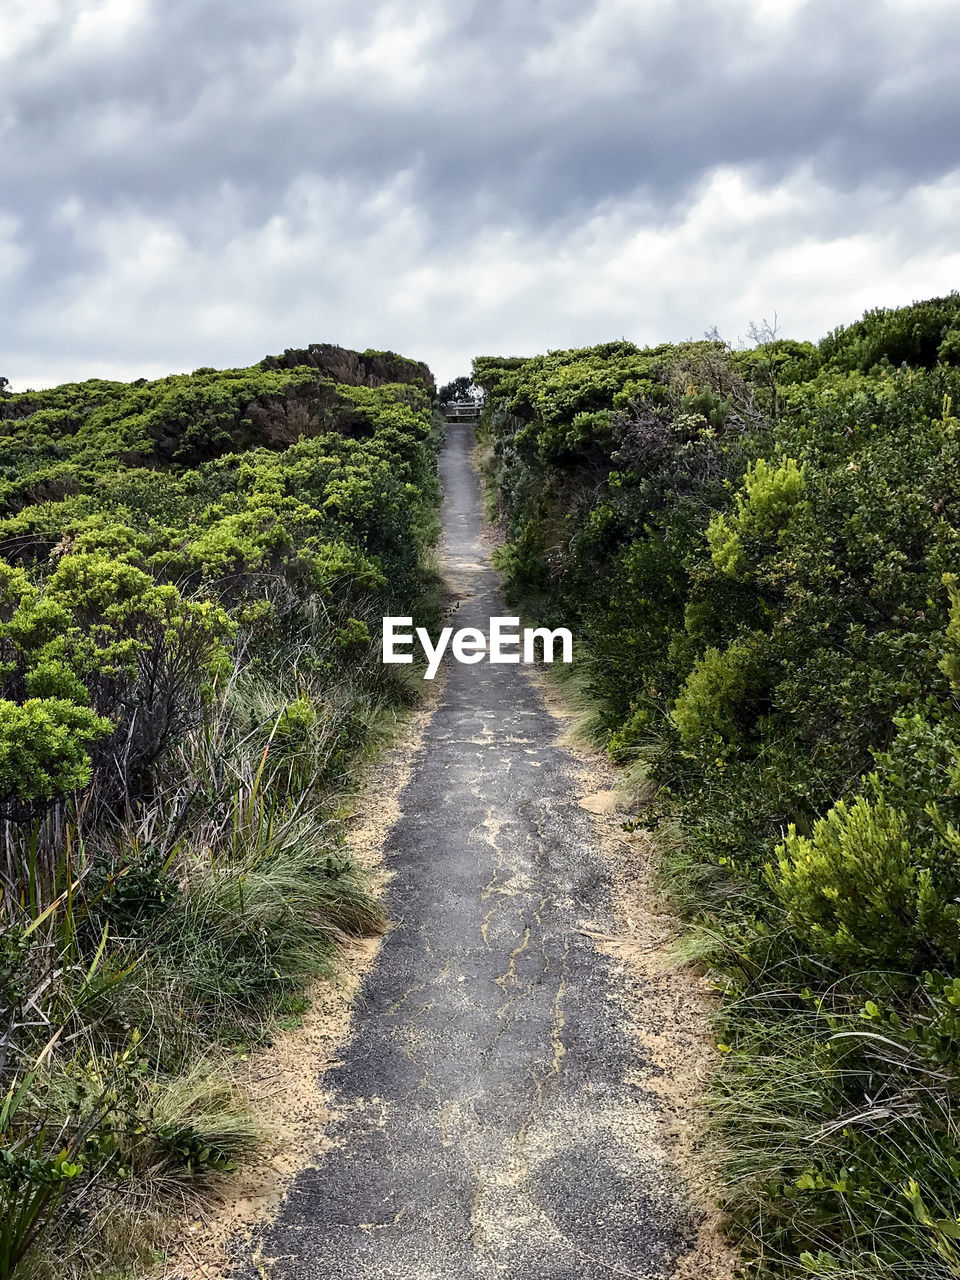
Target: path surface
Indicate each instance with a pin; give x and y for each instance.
(484, 1120)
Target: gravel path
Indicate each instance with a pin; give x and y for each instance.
(490, 1116)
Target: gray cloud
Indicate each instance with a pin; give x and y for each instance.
(310, 133)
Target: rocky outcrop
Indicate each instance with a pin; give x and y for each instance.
(353, 368)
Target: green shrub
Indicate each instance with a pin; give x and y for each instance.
(713, 706)
(770, 493)
(758, 553)
(191, 574)
(857, 890)
(896, 335)
(44, 749)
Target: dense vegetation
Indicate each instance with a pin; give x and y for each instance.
(760, 552)
(192, 573)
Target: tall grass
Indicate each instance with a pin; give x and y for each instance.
(134, 955)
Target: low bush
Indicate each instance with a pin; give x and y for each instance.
(759, 553)
(191, 574)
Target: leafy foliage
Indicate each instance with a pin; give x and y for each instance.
(759, 550)
(190, 574)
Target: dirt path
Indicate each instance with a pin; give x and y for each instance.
(493, 1112)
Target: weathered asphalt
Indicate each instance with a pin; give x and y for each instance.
(485, 1104)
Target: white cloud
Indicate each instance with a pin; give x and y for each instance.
(106, 24)
(23, 22)
(327, 267)
(189, 182)
(13, 253)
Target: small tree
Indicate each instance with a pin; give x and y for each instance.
(462, 388)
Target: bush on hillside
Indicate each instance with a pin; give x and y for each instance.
(759, 552)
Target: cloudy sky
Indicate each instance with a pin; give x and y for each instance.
(194, 182)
